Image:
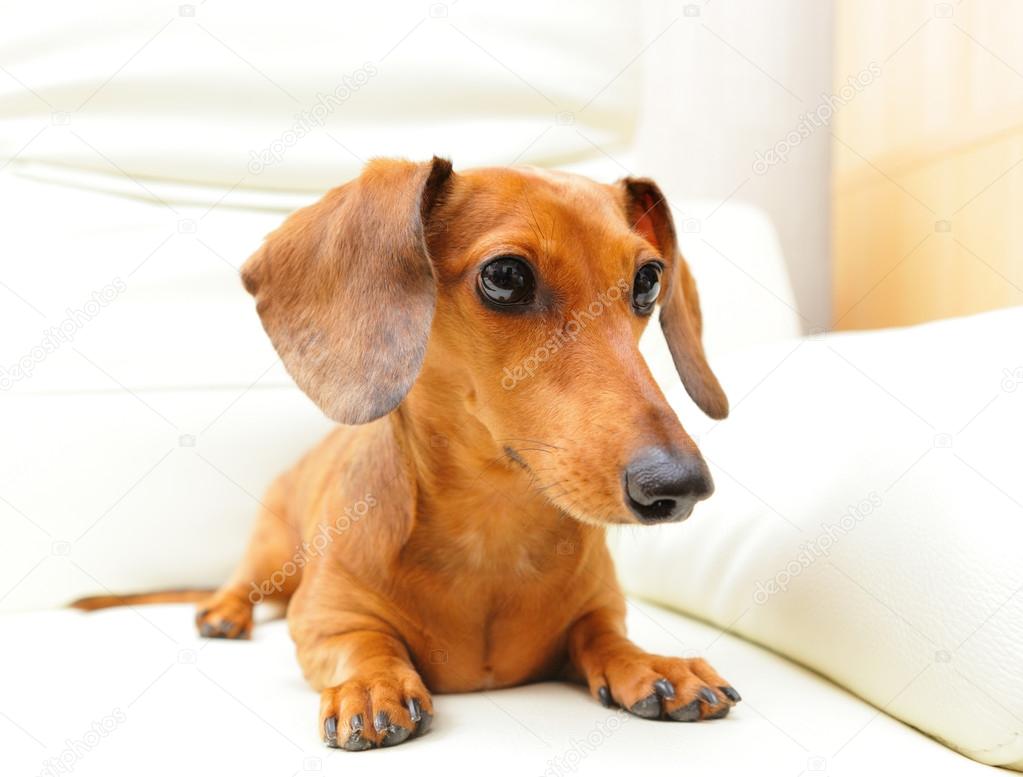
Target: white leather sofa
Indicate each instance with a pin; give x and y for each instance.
(857, 575)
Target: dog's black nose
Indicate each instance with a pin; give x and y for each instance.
(663, 485)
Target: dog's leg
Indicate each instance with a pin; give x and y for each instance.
(371, 695)
(650, 686)
(268, 571)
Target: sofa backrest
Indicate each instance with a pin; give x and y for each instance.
(190, 101)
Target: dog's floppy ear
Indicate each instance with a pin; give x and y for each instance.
(346, 290)
(649, 214)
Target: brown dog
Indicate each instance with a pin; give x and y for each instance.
(478, 333)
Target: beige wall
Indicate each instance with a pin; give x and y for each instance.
(928, 161)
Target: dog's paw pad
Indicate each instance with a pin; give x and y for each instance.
(650, 707)
(687, 713)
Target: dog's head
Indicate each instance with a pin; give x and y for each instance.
(519, 294)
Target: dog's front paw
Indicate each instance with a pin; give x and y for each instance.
(682, 689)
(375, 712)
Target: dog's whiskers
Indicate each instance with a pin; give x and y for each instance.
(534, 442)
(562, 494)
(549, 485)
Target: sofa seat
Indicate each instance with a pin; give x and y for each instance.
(130, 690)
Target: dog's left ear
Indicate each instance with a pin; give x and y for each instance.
(346, 288)
(649, 214)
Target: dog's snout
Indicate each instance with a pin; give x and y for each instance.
(664, 485)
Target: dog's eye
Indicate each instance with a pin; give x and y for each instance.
(646, 287)
(507, 280)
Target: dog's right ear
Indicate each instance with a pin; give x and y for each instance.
(346, 289)
(648, 213)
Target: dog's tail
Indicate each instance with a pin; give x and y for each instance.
(90, 603)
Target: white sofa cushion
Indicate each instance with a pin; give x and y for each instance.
(868, 521)
(165, 699)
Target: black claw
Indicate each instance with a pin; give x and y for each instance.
(425, 723)
(226, 626)
(604, 695)
(414, 710)
(356, 742)
(688, 713)
(709, 696)
(330, 727)
(650, 707)
(731, 693)
(207, 630)
(395, 736)
(664, 689)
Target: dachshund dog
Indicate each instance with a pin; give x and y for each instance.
(476, 333)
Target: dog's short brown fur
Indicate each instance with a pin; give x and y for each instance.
(467, 545)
